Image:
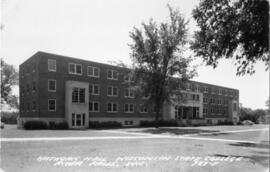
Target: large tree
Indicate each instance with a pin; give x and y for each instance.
(233, 28)
(157, 54)
(9, 78)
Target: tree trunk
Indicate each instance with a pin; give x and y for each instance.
(157, 118)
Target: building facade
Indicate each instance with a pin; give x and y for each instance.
(56, 88)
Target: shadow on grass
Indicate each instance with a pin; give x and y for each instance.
(177, 131)
(263, 144)
(262, 160)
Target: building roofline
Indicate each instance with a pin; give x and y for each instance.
(75, 58)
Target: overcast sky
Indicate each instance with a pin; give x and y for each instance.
(98, 30)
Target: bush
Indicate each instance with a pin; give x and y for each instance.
(161, 123)
(9, 117)
(105, 124)
(225, 123)
(35, 125)
(61, 126)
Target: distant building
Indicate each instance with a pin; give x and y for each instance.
(56, 88)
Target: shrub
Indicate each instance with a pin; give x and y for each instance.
(225, 123)
(61, 125)
(35, 125)
(9, 117)
(161, 123)
(105, 124)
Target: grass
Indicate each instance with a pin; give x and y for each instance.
(25, 154)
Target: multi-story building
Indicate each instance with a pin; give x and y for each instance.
(56, 88)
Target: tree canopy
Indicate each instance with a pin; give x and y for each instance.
(229, 29)
(157, 54)
(9, 78)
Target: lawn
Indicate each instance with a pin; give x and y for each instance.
(148, 150)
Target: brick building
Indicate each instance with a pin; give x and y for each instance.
(56, 88)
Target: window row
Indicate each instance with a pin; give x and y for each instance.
(28, 88)
(205, 89)
(94, 106)
(214, 110)
(215, 101)
(92, 71)
(28, 106)
(26, 70)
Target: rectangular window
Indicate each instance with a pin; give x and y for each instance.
(75, 69)
(128, 78)
(51, 105)
(93, 71)
(205, 89)
(34, 106)
(94, 89)
(205, 110)
(27, 88)
(52, 65)
(93, 106)
(27, 107)
(129, 93)
(112, 107)
(143, 109)
(112, 91)
(22, 90)
(34, 86)
(52, 85)
(205, 100)
(33, 67)
(22, 106)
(129, 108)
(234, 107)
(112, 74)
(78, 95)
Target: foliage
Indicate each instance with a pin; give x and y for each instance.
(157, 54)
(258, 115)
(163, 123)
(35, 125)
(9, 78)
(225, 123)
(233, 28)
(60, 125)
(105, 124)
(9, 117)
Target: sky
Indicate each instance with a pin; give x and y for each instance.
(98, 30)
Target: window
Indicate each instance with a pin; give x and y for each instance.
(234, 107)
(34, 86)
(205, 89)
(78, 95)
(33, 67)
(205, 100)
(27, 107)
(219, 91)
(205, 110)
(22, 72)
(112, 74)
(93, 106)
(75, 69)
(112, 91)
(27, 88)
(52, 85)
(212, 110)
(128, 122)
(94, 89)
(93, 71)
(22, 90)
(112, 107)
(52, 65)
(143, 109)
(22, 106)
(129, 92)
(34, 106)
(129, 108)
(51, 105)
(129, 78)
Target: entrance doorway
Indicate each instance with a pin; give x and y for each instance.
(78, 120)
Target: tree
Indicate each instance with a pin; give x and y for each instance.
(157, 54)
(229, 29)
(9, 78)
